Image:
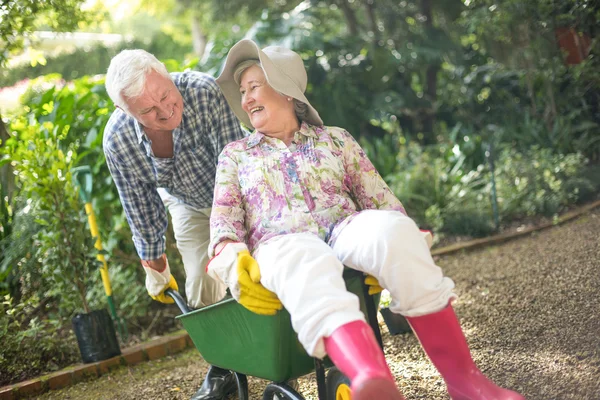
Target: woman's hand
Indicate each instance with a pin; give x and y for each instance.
(373, 284)
(253, 294)
(220, 246)
(235, 267)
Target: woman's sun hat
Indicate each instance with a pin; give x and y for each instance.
(283, 69)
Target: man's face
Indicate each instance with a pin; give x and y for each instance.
(160, 106)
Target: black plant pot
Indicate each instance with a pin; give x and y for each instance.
(396, 323)
(96, 336)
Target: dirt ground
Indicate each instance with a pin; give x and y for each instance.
(529, 308)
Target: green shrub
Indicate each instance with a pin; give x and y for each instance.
(574, 132)
(382, 152)
(129, 293)
(31, 345)
(63, 245)
(20, 273)
(586, 184)
(433, 186)
(470, 222)
(7, 281)
(440, 195)
(539, 182)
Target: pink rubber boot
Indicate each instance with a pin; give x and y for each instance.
(355, 351)
(443, 340)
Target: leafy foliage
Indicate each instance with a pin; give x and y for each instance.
(436, 93)
(50, 126)
(20, 17)
(63, 248)
(89, 61)
(538, 182)
(30, 344)
(435, 188)
(17, 266)
(441, 195)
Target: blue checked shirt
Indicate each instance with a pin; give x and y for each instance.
(207, 125)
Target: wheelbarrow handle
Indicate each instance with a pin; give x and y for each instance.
(178, 300)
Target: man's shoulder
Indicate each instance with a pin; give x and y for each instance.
(119, 126)
(194, 80)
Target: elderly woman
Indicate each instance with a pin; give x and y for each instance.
(296, 201)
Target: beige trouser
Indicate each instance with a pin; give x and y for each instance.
(192, 233)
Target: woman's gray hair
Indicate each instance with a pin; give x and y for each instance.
(300, 108)
(241, 67)
(126, 74)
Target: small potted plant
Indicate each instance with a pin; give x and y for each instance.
(396, 323)
(62, 243)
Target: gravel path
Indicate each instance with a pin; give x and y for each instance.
(529, 309)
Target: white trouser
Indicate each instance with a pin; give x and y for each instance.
(306, 273)
(192, 232)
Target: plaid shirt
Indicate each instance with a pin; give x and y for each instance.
(207, 125)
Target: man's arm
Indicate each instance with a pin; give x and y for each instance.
(143, 207)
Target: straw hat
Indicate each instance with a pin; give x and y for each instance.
(283, 69)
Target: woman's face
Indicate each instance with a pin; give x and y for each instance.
(269, 111)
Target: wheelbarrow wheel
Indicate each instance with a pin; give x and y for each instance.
(281, 391)
(338, 385)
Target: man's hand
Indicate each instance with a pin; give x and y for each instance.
(236, 268)
(158, 280)
(373, 283)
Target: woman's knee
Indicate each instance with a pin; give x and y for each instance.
(295, 246)
(386, 226)
(295, 255)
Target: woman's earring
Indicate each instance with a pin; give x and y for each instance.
(289, 99)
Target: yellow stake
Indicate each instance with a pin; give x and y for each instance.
(95, 233)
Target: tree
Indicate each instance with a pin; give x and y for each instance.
(204, 21)
(368, 59)
(18, 18)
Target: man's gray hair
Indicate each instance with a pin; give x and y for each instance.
(300, 108)
(126, 74)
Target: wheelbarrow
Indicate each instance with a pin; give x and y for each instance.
(229, 336)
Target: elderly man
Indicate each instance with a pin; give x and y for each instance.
(161, 146)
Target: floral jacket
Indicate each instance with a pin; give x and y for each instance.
(264, 189)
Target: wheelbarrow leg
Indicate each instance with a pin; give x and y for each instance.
(242, 384)
(321, 384)
(372, 314)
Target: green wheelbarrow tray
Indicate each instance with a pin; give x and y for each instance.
(229, 336)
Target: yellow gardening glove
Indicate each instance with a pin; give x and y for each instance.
(253, 295)
(373, 283)
(157, 282)
(236, 268)
(162, 297)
